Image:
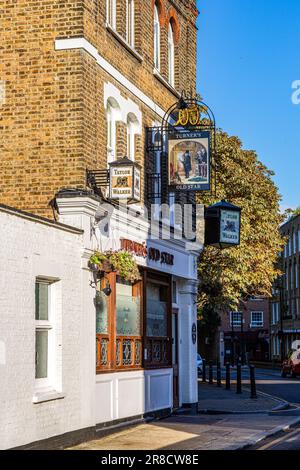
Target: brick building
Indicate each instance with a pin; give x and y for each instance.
(67, 68)
(285, 304)
(83, 83)
(245, 333)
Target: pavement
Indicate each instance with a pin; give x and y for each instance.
(198, 432)
(218, 400)
(227, 421)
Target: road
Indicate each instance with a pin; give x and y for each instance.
(270, 381)
(287, 441)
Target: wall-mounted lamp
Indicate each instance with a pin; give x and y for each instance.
(107, 290)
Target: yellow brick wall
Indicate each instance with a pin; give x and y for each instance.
(53, 123)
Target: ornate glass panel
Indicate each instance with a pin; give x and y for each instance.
(101, 313)
(164, 352)
(104, 352)
(157, 351)
(138, 353)
(127, 352)
(118, 352)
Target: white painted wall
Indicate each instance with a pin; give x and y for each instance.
(29, 249)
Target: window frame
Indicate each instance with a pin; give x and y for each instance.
(111, 13)
(46, 326)
(130, 23)
(254, 324)
(171, 55)
(156, 38)
(112, 338)
(234, 323)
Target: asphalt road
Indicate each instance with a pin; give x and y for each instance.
(270, 381)
(287, 441)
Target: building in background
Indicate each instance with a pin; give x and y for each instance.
(87, 83)
(244, 334)
(285, 304)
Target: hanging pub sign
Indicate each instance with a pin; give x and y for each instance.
(189, 160)
(223, 225)
(125, 180)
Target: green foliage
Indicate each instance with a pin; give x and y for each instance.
(291, 213)
(121, 262)
(229, 275)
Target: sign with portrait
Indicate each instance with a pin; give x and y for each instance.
(230, 227)
(189, 160)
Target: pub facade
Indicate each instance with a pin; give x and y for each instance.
(93, 143)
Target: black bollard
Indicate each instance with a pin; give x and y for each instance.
(227, 376)
(252, 382)
(203, 370)
(219, 377)
(239, 378)
(210, 373)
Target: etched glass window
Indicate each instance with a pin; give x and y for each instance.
(101, 313)
(128, 310)
(157, 325)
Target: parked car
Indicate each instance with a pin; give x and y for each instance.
(199, 364)
(291, 366)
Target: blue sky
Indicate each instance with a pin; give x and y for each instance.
(248, 57)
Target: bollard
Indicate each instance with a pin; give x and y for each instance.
(219, 377)
(210, 373)
(203, 370)
(252, 382)
(239, 378)
(227, 376)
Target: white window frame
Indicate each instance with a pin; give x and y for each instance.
(256, 323)
(111, 13)
(171, 56)
(111, 133)
(130, 22)
(234, 322)
(49, 327)
(131, 132)
(156, 38)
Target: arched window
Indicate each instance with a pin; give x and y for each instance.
(113, 115)
(111, 15)
(171, 55)
(130, 30)
(132, 124)
(156, 38)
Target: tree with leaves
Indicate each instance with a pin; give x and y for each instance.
(229, 275)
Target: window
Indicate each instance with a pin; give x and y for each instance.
(121, 325)
(118, 325)
(171, 56)
(111, 132)
(43, 332)
(156, 38)
(235, 319)
(130, 30)
(132, 124)
(158, 321)
(257, 319)
(111, 13)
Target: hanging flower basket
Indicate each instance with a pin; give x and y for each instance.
(122, 262)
